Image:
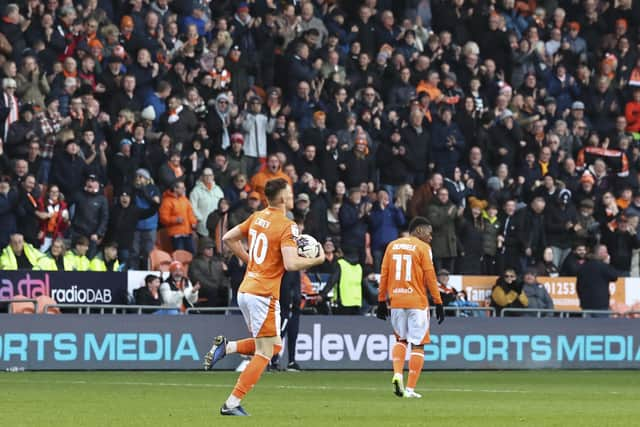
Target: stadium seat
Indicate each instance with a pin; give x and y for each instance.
(159, 260)
(185, 257)
(43, 301)
(108, 193)
(25, 307)
(163, 241)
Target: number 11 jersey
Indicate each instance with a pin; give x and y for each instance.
(268, 231)
(407, 272)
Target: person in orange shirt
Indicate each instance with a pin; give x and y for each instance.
(272, 251)
(632, 112)
(176, 214)
(272, 171)
(407, 274)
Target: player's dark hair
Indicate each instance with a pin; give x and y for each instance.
(418, 221)
(274, 187)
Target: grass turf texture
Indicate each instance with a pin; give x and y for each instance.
(543, 398)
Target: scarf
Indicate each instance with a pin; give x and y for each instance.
(177, 170)
(224, 116)
(174, 115)
(12, 104)
(52, 223)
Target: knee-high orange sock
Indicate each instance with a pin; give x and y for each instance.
(250, 376)
(276, 349)
(246, 346)
(416, 362)
(398, 354)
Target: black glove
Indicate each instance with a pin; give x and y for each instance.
(382, 312)
(439, 313)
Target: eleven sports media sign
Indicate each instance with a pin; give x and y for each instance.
(95, 342)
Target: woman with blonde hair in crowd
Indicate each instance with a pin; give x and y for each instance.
(404, 193)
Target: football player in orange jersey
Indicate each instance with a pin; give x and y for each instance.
(407, 274)
(272, 250)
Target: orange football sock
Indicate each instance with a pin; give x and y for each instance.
(250, 376)
(246, 346)
(276, 349)
(398, 354)
(416, 362)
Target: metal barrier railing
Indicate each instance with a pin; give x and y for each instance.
(10, 301)
(108, 308)
(145, 309)
(460, 311)
(201, 310)
(564, 313)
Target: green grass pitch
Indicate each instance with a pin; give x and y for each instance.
(540, 398)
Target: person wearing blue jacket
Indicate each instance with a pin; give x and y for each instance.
(385, 221)
(447, 142)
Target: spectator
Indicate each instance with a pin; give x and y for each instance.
(176, 214)
(170, 171)
(560, 221)
(146, 195)
(177, 291)
(272, 171)
(211, 272)
(574, 260)
(547, 266)
(239, 163)
(107, 259)
(76, 259)
(68, 170)
(8, 200)
(622, 241)
(54, 259)
(593, 280)
(353, 217)
(530, 232)
(149, 294)
(537, 295)
(91, 215)
(474, 231)
(447, 142)
(255, 125)
(204, 199)
(19, 255)
(125, 216)
(385, 221)
(447, 293)
(349, 279)
(443, 214)
(508, 293)
(27, 211)
(54, 215)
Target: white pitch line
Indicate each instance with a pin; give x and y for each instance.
(282, 387)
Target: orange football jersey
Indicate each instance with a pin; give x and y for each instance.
(407, 272)
(268, 231)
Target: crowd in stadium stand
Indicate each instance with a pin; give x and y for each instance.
(513, 126)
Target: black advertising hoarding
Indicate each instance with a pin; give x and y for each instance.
(145, 342)
(66, 287)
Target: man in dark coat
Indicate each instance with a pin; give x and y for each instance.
(593, 280)
(91, 215)
(123, 221)
(417, 138)
(68, 171)
(442, 214)
(209, 269)
(530, 232)
(353, 220)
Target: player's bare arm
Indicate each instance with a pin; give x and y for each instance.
(294, 262)
(233, 240)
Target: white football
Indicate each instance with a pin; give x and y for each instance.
(308, 246)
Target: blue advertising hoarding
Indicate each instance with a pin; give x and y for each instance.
(74, 342)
